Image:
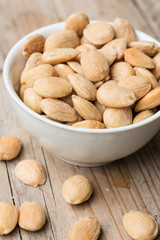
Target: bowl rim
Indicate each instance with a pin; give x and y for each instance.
(18, 101)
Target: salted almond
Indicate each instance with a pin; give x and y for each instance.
(52, 87)
(149, 48)
(77, 22)
(149, 101)
(99, 33)
(112, 95)
(76, 67)
(109, 52)
(21, 91)
(142, 116)
(34, 60)
(94, 65)
(98, 84)
(140, 86)
(143, 72)
(41, 71)
(124, 29)
(31, 173)
(137, 58)
(63, 70)
(87, 228)
(58, 110)
(100, 107)
(86, 109)
(10, 147)
(156, 70)
(8, 216)
(32, 100)
(93, 124)
(59, 55)
(117, 117)
(62, 39)
(34, 43)
(140, 225)
(77, 189)
(83, 87)
(121, 70)
(32, 216)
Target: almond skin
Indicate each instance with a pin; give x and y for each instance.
(63, 70)
(94, 65)
(124, 29)
(85, 228)
(59, 55)
(62, 39)
(77, 22)
(142, 116)
(121, 70)
(137, 58)
(34, 43)
(109, 52)
(83, 87)
(112, 95)
(140, 86)
(156, 70)
(52, 87)
(143, 72)
(117, 117)
(58, 110)
(86, 109)
(149, 48)
(104, 33)
(89, 124)
(149, 101)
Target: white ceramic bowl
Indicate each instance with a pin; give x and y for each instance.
(84, 147)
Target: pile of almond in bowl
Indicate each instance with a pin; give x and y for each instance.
(91, 75)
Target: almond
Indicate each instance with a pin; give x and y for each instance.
(62, 39)
(84, 40)
(98, 84)
(83, 87)
(140, 86)
(63, 70)
(68, 99)
(86, 109)
(137, 58)
(109, 52)
(143, 72)
(59, 55)
(149, 101)
(75, 66)
(142, 116)
(115, 82)
(112, 95)
(58, 110)
(100, 107)
(52, 87)
(117, 117)
(86, 228)
(156, 70)
(34, 60)
(32, 100)
(21, 91)
(89, 124)
(94, 65)
(34, 43)
(85, 47)
(121, 70)
(99, 33)
(79, 119)
(149, 48)
(124, 29)
(77, 22)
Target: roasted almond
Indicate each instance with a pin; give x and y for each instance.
(77, 22)
(117, 117)
(59, 55)
(79, 119)
(32, 100)
(85, 47)
(143, 72)
(34, 60)
(99, 33)
(58, 110)
(68, 99)
(93, 124)
(52, 87)
(156, 70)
(109, 52)
(149, 101)
(149, 48)
(124, 29)
(86, 109)
(21, 91)
(94, 65)
(87, 228)
(137, 58)
(63, 70)
(98, 84)
(112, 95)
(121, 70)
(142, 116)
(34, 43)
(140, 86)
(62, 39)
(100, 107)
(83, 87)
(75, 66)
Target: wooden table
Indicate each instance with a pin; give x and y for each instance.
(131, 183)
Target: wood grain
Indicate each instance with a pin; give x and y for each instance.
(131, 183)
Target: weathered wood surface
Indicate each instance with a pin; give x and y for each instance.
(131, 183)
